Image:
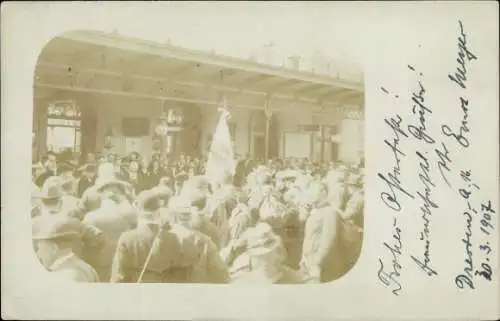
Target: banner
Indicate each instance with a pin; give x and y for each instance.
(221, 162)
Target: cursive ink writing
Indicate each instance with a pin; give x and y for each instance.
(419, 132)
(459, 77)
(443, 162)
(391, 279)
(487, 211)
(393, 180)
(426, 210)
(460, 137)
(465, 279)
(485, 271)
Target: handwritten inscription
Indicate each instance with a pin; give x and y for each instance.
(460, 134)
(391, 278)
(465, 55)
(426, 213)
(392, 179)
(433, 156)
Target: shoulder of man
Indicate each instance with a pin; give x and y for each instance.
(78, 275)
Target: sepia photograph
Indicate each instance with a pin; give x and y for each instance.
(208, 144)
(156, 163)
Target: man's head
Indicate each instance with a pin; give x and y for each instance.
(148, 204)
(90, 201)
(56, 235)
(51, 162)
(181, 211)
(65, 169)
(51, 192)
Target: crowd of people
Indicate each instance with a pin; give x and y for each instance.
(118, 219)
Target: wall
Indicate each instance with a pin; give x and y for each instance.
(111, 109)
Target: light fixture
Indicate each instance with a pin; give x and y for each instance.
(173, 118)
(168, 121)
(162, 128)
(108, 136)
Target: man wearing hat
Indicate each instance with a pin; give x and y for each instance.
(55, 237)
(144, 253)
(50, 197)
(69, 182)
(320, 250)
(199, 252)
(114, 216)
(263, 260)
(156, 253)
(199, 218)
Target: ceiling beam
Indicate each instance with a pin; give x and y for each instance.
(338, 95)
(173, 82)
(169, 51)
(311, 88)
(288, 83)
(278, 106)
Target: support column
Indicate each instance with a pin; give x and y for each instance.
(322, 143)
(40, 128)
(269, 114)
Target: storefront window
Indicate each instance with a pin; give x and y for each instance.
(63, 127)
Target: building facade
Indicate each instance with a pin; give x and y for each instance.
(112, 108)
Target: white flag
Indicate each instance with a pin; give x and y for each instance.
(221, 163)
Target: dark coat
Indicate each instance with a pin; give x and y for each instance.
(178, 256)
(112, 221)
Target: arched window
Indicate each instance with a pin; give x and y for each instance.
(63, 126)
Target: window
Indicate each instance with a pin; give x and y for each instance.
(63, 126)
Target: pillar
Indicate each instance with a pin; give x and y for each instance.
(40, 110)
(322, 143)
(269, 115)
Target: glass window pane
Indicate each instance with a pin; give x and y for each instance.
(61, 137)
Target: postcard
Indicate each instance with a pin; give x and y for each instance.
(250, 160)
